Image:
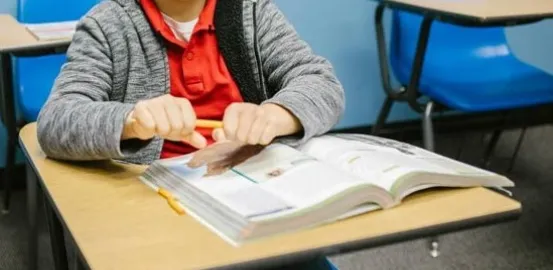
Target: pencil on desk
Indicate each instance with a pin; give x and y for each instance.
(171, 201)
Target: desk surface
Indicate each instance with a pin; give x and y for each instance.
(482, 10)
(15, 37)
(119, 223)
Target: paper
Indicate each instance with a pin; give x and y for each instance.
(276, 181)
(53, 31)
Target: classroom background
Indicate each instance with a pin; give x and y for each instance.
(343, 32)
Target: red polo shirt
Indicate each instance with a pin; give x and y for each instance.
(197, 70)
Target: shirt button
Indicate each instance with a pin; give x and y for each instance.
(190, 56)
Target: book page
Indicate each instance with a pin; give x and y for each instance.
(53, 31)
(278, 180)
(368, 156)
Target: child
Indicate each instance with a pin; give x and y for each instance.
(140, 72)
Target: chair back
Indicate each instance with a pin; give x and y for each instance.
(455, 54)
(34, 76)
(467, 68)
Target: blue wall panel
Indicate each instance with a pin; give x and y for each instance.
(343, 32)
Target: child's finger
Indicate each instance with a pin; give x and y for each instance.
(230, 120)
(256, 131)
(196, 140)
(144, 125)
(268, 135)
(218, 135)
(187, 113)
(246, 120)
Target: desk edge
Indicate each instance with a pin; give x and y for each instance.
(42, 188)
(465, 19)
(383, 240)
(30, 49)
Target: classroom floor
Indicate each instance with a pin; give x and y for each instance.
(525, 244)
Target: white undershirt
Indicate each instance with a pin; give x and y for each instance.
(182, 30)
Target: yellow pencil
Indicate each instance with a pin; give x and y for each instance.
(201, 123)
(171, 201)
(164, 193)
(176, 207)
(213, 124)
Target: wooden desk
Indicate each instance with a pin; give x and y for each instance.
(16, 40)
(481, 11)
(119, 223)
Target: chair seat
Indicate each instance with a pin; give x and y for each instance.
(506, 83)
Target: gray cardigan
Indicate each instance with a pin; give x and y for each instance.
(116, 59)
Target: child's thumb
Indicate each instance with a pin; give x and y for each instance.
(196, 140)
(218, 135)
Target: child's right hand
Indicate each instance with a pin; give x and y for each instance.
(168, 117)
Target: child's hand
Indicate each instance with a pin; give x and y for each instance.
(258, 124)
(166, 116)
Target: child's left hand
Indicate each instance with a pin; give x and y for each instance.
(253, 124)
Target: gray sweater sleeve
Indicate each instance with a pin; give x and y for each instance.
(78, 122)
(304, 83)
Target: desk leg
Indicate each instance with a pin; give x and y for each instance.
(32, 205)
(57, 238)
(9, 119)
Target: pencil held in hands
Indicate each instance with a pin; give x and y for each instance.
(212, 124)
(168, 117)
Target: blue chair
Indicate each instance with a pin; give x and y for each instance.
(34, 76)
(466, 69)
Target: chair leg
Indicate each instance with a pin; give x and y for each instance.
(491, 147)
(428, 140)
(9, 119)
(32, 205)
(517, 149)
(427, 128)
(8, 174)
(382, 116)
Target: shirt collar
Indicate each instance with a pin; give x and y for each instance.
(205, 20)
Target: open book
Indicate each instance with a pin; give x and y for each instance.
(330, 178)
(52, 31)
